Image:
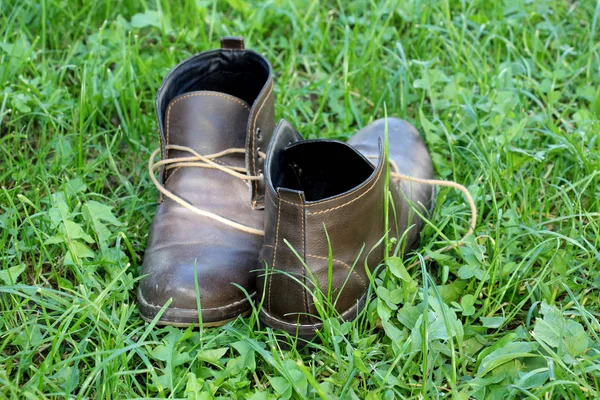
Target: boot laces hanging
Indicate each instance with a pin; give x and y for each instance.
(395, 173)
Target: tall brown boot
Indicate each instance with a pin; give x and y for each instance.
(323, 194)
(215, 114)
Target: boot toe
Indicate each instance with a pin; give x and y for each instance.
(172, 278)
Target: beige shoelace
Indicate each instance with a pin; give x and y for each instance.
(434, 182)
(200, 161)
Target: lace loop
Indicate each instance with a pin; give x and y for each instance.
(200, 161)
(434, 182)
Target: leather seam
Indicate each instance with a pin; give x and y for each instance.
(349, 194)
(295, 326)
(236, 303)
(286, 202)
(274, 257)
(195, 95)
(351, 201)
(271, 200)
(162, 199)
(303, 261)
(362, 281)
(162, 174)
(252, 134)
(339, 198)
(172, 173)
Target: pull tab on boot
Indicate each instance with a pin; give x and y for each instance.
(232, 42)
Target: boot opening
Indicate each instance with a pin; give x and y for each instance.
(242, 74)
(320, 169)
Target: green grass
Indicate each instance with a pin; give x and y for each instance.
(507, 95)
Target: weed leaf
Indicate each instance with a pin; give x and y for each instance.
(505, 354)
(11, 275)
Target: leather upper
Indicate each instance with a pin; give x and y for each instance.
(325, 194)
(243, 74)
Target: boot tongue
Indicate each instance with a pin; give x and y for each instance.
(208, 122)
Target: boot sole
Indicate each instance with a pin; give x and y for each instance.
(308, 332)
(184, 317)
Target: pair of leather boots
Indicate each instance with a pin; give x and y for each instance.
(250, 212)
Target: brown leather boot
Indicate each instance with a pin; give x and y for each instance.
(215, 115)
(326, 194)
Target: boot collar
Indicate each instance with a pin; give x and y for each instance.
(361, 174)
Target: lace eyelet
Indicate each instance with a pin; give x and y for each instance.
(258, 135)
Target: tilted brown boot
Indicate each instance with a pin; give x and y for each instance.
(323, 194)
(215, 115)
